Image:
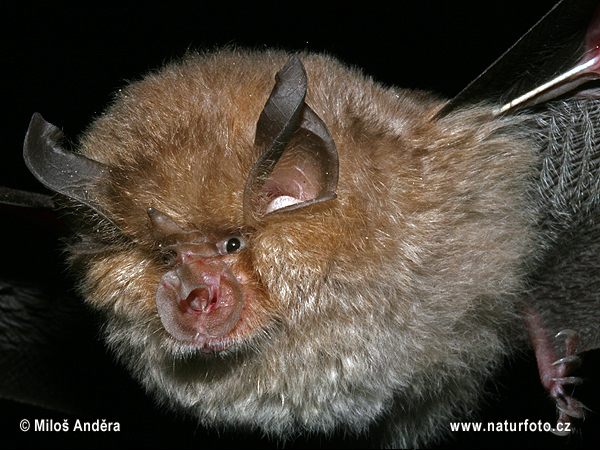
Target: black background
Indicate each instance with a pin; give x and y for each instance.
(65, 60)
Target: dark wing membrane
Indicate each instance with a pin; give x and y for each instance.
(16, 197)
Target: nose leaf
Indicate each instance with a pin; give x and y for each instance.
(199, 299)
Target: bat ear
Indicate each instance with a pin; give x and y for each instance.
(61, 171)
(300, 165)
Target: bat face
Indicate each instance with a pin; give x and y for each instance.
(291, 247)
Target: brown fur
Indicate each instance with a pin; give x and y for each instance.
(393, 301)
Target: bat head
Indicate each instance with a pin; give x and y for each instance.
(201, 301)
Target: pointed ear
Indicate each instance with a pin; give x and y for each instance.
(162, 225)
(300, 165)
(61, 171)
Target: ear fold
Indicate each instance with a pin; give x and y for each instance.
(300, 165)
(61, 171)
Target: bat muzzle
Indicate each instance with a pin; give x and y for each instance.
(199, 300)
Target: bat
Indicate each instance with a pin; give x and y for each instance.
(271, 257)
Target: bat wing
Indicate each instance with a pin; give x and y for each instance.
(43, 325)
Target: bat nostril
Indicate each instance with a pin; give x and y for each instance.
(199, 299)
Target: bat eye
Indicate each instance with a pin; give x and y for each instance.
(233, 244)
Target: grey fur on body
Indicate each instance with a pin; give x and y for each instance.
(383, 310)
(566, 282)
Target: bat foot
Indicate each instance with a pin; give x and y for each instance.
(568, 407)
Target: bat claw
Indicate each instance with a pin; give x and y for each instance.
(573, 360)
(571, 341)
(568, 380)
(570, 408)
(567, 332)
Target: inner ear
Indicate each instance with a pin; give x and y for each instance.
(305, 173)
(297, 178)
